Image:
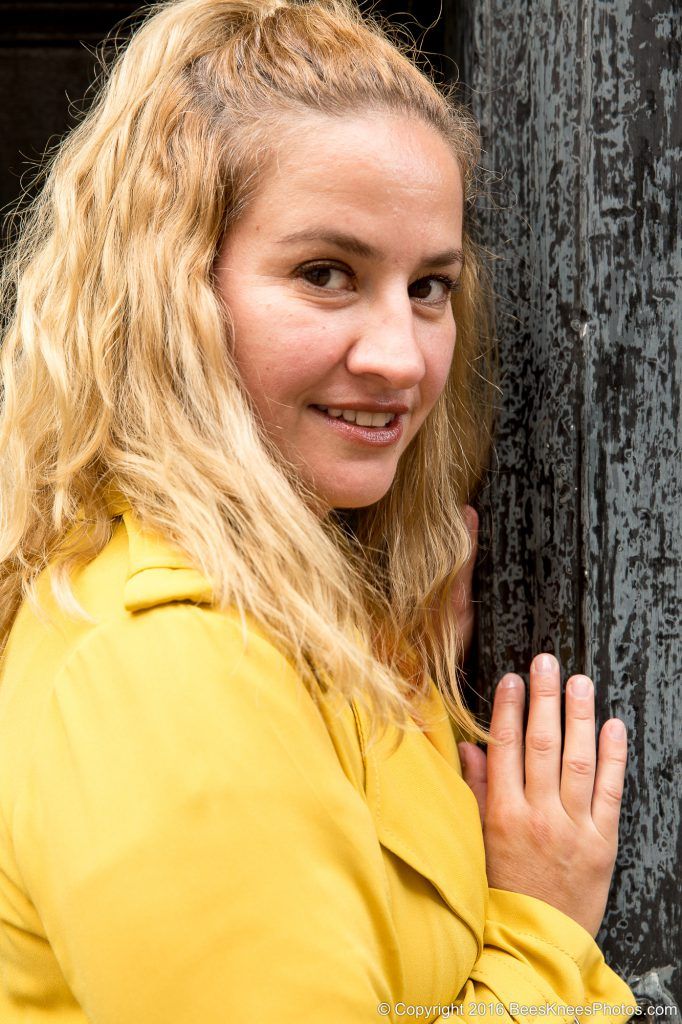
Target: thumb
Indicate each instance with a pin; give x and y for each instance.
(475, 773)
(472, 520)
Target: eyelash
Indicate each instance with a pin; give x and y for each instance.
(451, 285)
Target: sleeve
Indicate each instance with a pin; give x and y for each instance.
(191, 844)
(538, 963)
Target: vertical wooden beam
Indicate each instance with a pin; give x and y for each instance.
(580, 537)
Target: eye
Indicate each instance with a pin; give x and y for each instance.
(448, 286)
(318, 274)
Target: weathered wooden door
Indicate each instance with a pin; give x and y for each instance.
(581, 511)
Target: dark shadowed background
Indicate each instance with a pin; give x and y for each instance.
(580, 512)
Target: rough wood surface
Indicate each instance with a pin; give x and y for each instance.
(581, 513)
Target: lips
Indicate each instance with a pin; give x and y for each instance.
(374, 437)
(366, 405)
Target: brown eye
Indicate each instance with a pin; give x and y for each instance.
(448, 285)
(319, 275)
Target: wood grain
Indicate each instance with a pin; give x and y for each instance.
(580, 531)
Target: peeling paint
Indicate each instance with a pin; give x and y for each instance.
(580, 516)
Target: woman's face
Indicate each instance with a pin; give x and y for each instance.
(332, 280)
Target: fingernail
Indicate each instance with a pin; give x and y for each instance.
(617, 729)
(462, 752)
(581, 686)
(509, 682)
(545, 663)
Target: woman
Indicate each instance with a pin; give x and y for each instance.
(245, 399)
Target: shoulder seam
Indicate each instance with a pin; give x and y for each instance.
(83, 643)
(177, 606)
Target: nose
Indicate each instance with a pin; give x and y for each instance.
(386, 345)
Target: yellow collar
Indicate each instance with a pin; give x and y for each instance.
(158, 572)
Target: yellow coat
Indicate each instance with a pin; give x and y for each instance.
(185, 838)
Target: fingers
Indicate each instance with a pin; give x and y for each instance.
(608, 786)
(471, 516)
(505, 760)
(584, 785)
(580, 756)
(475, 773)
(543, 732)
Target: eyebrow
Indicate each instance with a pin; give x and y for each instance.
(355, 245)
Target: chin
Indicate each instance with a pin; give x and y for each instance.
(352, 494)
(355, 499)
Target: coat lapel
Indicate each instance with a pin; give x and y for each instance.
(423, 810)
(426, 814)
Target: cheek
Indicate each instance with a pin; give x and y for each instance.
(284, 364)
(439, 362)
(255, 344)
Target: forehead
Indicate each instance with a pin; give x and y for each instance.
(376, 166)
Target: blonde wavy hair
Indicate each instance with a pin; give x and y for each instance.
(117, 368)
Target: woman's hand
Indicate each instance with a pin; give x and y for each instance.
(555, 835)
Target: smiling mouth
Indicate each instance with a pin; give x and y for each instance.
(369, 420)
(365, 435)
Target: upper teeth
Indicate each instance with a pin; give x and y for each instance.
(364, 419)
